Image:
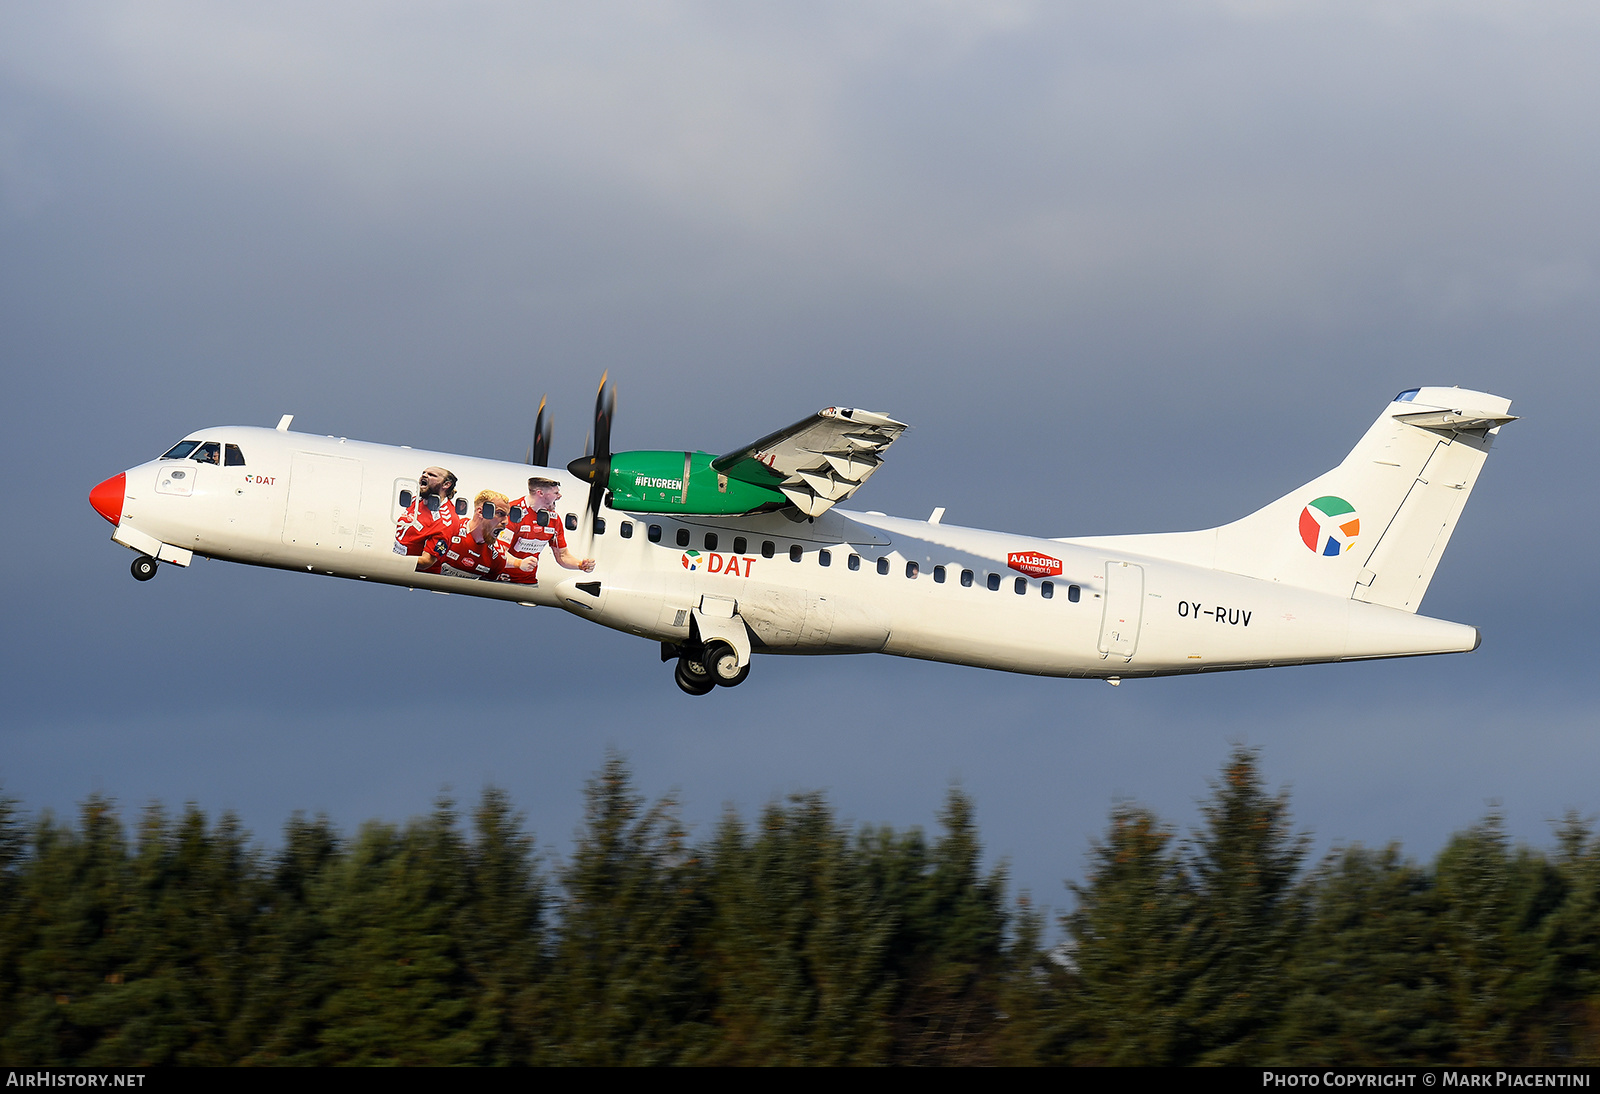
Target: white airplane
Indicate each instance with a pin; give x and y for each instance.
(721, 557)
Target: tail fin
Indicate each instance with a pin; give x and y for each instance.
(1373, 528)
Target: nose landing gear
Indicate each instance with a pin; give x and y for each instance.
(144, 568)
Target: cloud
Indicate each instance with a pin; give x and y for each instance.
(1242, 157)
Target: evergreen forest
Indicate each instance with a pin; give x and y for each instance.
(792, 939)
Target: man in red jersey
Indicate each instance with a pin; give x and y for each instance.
(429, 513)
(474, 548)
(526, 537)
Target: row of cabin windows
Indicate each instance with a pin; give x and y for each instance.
(212, 452)
(1047, 589)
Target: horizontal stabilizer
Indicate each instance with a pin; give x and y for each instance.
(1454, 421)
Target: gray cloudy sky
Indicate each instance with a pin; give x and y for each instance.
(1123, 267)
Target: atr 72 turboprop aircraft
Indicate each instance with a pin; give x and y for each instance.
(721, 557)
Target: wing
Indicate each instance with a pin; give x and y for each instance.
(817, 462)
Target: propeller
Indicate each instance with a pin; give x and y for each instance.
(595, 467)
(539, 450)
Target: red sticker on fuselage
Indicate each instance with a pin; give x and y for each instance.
(1033, 563)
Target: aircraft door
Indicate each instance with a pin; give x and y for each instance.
(324, 502)
(1119, 627)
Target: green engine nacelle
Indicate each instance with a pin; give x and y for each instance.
(685, 482)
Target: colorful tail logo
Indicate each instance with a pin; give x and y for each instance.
(1329, 525)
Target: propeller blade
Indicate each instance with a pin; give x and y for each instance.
(605, 406)
(594, 467)
(539, 452)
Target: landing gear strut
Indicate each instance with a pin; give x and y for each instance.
(144, 568)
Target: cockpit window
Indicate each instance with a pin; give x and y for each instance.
(209, 452)
(180, 450)
(233, 458)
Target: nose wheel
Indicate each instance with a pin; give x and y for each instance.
(144, 568)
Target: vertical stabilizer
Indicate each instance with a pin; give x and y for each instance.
(1373, 528)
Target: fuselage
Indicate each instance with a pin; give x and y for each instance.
(843, 582)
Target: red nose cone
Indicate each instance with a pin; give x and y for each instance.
(107, 498)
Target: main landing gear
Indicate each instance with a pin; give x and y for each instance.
(702, 667)
(144, 568)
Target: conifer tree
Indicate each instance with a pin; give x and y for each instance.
(13, 862)
(1133, 950)
(1244, 863)
(400, 993)
(1364, 981)
(70, 915)
(280, 1020)
(625, 985)
(193, 899)
(796, 944)
(502, 932)
(1497, 972)
(1571, 1026)
(950, 947)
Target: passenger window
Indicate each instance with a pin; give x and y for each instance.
(180, 450)
(994, 583)
(599, 526)
(824, 558)
(1020, 586)
(938, 575)
(655, 533)
(461, 507)
(572, 522)
(405, 499)
(768, 548)
(912, 570)
(855, 562)
(711, 541)
(683, 537)
(883, 565)
(209, 452)
(233, 457)
(1073, 592)
(626, 531)
(1047, 589)
(795, 553)
(739, 545)
(966, 579)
